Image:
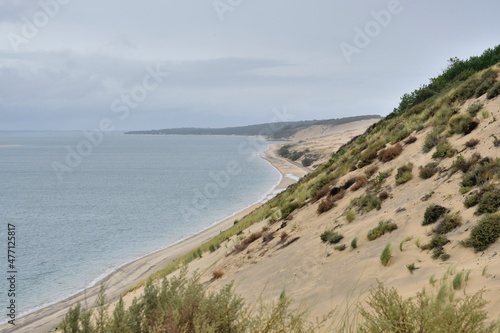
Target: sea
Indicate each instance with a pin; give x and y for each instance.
(84, 204)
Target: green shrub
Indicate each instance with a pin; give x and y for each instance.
(494, 91)
(354, 243)
(389, 312)
(350, 215)
(340, 247)
(213, 247)
(472, 199)
(288, 208)
(444, 149)
(449, 223)
(431, 140)
(404, 174)
(330, 236)
(487, 83)
(474, 108)
(485, 233)
(412, 268)
(386, 255)
(489, 201)
(427, 171)
(381, 229)
(367, 202)
(436, 244)
(433, 213)
(484, 171)
(182, 304)
(462, 124)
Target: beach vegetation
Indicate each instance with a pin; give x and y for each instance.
(431, 140)
(360, 182)
(382, 228)
(462, 123)
(406, 240)
(444, 149)
(367, 202)
(448, 223)
(330, 236)
(494, 91)
(433, 213)
(427, 171)
(386, 255)
(386, 311)
(474, 108)
(388, 154)
(350, 215)
(412, 268)
(340, 247)
(484, 233)
(404, 173)
(370, 171)
(354, 243)
(471, 143)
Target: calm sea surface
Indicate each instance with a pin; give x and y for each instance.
(127, 197)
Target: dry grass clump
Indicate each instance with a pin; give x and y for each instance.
(217, 274)
(360, 182)
(427, 171)
(410, 140)
(247, 241)
(384, 195)
(390, 153)
(325, 205)
(471, 143)
(370, 171)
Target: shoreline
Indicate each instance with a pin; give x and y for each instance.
(126, 276)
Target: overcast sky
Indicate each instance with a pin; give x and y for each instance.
(68, 64)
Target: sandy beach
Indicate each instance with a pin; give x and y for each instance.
(127, 276)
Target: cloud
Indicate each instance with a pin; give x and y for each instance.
(14, 10)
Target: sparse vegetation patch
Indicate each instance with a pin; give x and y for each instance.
(433, 213)
(404, 174)
(330, 236)
(485, 233)
(381, 229)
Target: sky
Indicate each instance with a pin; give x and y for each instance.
(76, 65)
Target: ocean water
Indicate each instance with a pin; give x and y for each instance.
(124, 198)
